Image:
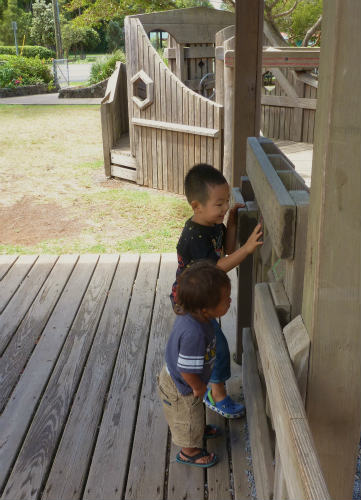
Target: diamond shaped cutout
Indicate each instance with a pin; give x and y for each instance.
(142, 89)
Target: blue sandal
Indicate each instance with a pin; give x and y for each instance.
(227, 407)
(191, 460)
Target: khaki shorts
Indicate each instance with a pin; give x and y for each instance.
(184, 414)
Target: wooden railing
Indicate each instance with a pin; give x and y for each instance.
(275, 340)
(114, 113)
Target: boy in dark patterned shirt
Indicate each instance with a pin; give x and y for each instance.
(206, 237)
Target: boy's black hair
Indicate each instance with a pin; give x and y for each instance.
(198, 179)
(200, 286)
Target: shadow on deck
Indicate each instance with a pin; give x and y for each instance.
(81, 343)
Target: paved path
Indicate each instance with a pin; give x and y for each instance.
(300, 154)
(47, 99)
(79, 72)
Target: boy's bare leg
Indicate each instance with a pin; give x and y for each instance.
(194, 451)
(218, 391)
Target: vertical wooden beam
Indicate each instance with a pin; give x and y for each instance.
(180, 62)
(248, 75)
(221, 37)
(228, 115)
(331, 301)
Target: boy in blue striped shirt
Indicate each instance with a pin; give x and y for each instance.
(203, 292)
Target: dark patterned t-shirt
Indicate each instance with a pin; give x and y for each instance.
(198, 242)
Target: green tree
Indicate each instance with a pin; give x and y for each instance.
(93, 12)
(114, 36)
(2, 9)
(301, 20)
(23, 19)
(42, 26)
(298, 18)
(78, 39)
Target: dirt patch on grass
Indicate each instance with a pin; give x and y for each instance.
(28, 222)
(55, 198)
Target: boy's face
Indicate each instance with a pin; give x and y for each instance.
(215, 208)
(223, 306)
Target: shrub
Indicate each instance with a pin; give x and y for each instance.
(105, 65)
(18, 71)
(29, 51)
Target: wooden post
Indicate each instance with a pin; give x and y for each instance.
(248, 76)
(331, 300)
(228, 114)
(180, 63)
(221, 36)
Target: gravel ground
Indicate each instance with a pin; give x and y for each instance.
(357, 487)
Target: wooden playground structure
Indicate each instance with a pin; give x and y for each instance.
(169, 123)
(281, 337)
(82, 337)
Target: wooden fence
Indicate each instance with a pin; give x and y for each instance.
(171, 127)
(275, 352)
(288, 110)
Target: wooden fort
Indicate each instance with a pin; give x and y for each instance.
(168, 123)
(82, 337)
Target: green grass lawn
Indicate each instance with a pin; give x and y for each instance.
(89, 58)
(54, 197)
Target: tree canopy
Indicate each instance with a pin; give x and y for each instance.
(93, 12)
(298, 19)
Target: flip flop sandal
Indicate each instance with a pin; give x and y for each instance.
(211, 432)
(191, 460)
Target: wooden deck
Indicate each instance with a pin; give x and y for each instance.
(81, 343)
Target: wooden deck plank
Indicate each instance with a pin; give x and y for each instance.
(218, 477)
(16, 417)
(23, 298)
(184, 482)
(241, 469)
(150, 440)
(49, 428)
(25, 338)
(109, 465)
(34, 459)
(12, 280)
(6, 262)
(69, 470)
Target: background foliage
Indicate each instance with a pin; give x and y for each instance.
(16, 71)
(105, 65)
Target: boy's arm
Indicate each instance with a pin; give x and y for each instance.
(230, 241)
(235, 258)
(194, 380)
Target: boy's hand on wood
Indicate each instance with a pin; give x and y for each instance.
(253, 241)
(232, 217)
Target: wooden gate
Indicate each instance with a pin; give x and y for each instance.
(171, 127)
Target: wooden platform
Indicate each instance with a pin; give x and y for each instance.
(81, 343)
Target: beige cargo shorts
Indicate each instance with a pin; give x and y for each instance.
(184, 414)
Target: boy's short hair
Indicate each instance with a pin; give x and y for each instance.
(200, 286)
(198, 179)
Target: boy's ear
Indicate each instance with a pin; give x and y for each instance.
(195, 204)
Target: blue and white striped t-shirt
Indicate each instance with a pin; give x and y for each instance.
(191, 348)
